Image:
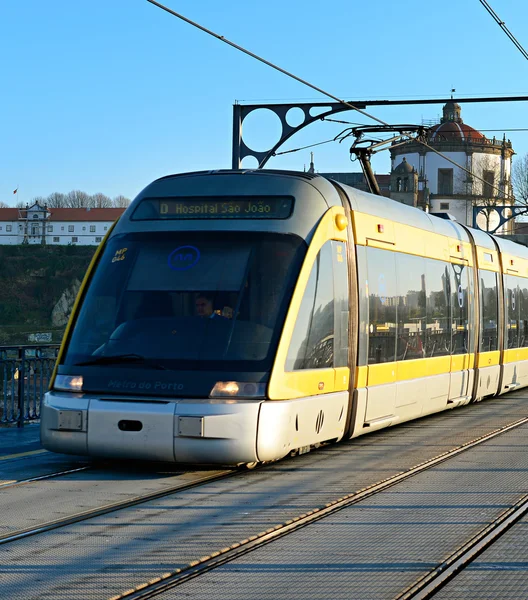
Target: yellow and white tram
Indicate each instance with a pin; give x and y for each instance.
(237, 316)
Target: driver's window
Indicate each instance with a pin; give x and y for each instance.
(312, 343)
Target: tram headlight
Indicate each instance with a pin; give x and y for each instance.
(68, 383)
(238, 389)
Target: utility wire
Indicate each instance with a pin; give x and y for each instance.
(502, 25)
(487, 130)
(339, 121)
(266, 62)
(303, 147)
(337, 138)
(277, 68)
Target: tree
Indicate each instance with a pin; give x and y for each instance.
(100, 201)
(56, 200)
(4, 205)
(520, 180)
(120, 202)
(77, 199)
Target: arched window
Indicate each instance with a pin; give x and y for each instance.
(398, 184)
(405, 184)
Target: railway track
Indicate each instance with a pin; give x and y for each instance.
(425, 585)
(19, 482)
(108, 508)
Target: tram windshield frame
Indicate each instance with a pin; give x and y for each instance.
(142, 303)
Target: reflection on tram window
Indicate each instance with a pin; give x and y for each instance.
(523, 315)
(312, 344)
(363, 325)
(513, 310)
(381, 272)
(489, 311)
(460, 277)
(420, 306)
(341, 303)
(410, 271)
(438, 332)
(144, 305)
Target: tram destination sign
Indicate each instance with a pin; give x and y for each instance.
(214, 207)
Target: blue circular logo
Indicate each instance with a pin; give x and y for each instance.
(183, 258)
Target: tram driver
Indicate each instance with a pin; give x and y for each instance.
(204, 307)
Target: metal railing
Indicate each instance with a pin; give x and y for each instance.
(25, 372)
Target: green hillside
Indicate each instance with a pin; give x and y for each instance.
(32, 281)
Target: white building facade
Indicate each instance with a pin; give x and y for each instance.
(56, 226)
(443, 187)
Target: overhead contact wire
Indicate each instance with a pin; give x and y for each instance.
(502, 25)
(266, 62)
(314, 87)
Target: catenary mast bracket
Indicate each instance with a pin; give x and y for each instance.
(315, 111)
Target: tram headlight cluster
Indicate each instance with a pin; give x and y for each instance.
(238, 389)
(68, 383)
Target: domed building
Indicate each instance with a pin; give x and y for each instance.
(443, 187)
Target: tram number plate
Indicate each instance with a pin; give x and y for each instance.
(190, 426)
(70, 419)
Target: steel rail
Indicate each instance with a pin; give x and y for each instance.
(113, 507)
(428, 585)
(167, 581)
(10, 484)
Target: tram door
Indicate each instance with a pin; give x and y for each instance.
(460, 292)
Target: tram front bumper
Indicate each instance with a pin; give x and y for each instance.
(186, 431)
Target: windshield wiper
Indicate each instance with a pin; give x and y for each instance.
(116, 359)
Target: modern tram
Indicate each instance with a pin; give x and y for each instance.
(236, 317)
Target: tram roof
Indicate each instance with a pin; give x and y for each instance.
(318, 194)
(512, 247)
(313, 196)
(386, 208)
(320, 182)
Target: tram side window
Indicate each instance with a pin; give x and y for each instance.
(438, 328)
(523, 314)
(488, 311)
(381, 283)
(459, 282)
(511, 290)
(363, 324)
(411, 307)
(339, 256)
(312, 343)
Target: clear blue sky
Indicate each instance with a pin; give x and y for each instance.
(107, 95)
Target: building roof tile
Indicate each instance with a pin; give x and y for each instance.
(67, 214)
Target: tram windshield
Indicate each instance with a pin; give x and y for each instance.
(187, 300)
